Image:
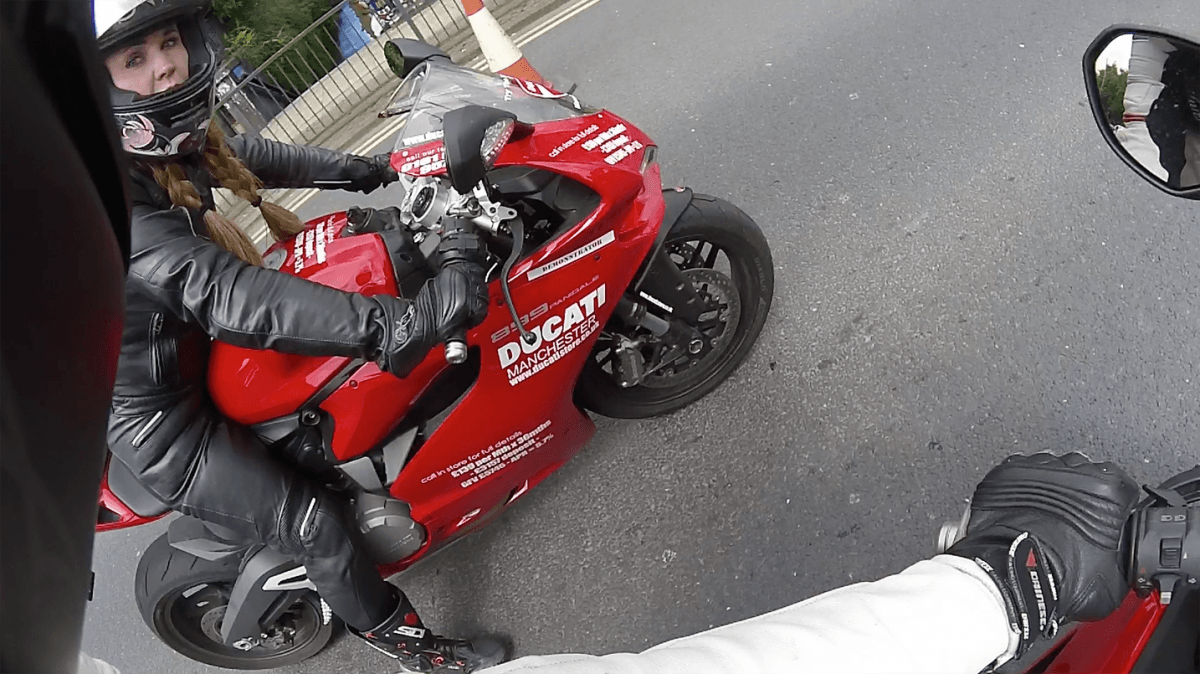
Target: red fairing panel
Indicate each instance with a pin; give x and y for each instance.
(1112, 645)
(251, 386)
(519, 423)
(125, 517)
(374, 402)
(425, 160)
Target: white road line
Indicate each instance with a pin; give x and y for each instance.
(542, 30)
(388, 129)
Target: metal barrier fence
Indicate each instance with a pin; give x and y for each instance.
(324, 73)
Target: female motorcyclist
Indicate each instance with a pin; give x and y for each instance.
(194, 276)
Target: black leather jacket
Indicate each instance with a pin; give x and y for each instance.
(182, 290)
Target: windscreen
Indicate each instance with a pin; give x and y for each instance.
(436, 87)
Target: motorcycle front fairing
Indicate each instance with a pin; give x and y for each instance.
(437, 87)
(565, 291)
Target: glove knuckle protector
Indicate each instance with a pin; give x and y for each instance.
(454, 300)
(372, 173)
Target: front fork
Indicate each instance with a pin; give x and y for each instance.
(661, 286)
(659, 282)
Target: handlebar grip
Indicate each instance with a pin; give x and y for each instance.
(952, 532)
(456, 348)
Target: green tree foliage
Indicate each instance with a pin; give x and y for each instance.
(257, 29)
(1111, 82)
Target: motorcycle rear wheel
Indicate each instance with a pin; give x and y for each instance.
(727, 258)
(182, 599)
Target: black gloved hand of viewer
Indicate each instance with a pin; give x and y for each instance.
(1047, 529)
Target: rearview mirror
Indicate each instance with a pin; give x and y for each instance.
(404, 55)
(474, 135)
(1144, 88)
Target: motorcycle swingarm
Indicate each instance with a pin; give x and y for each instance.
(659, 282)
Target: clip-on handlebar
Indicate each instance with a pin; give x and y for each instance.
(1162, 542)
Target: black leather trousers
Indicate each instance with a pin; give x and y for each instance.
(232, 480)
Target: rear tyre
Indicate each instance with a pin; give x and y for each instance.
(183, 600)
(726, 257)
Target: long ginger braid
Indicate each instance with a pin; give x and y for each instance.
(228, 172)
(233, 175)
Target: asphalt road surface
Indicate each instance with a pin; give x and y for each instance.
(963, 270)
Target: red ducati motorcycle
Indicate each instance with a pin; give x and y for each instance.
(608, 294)
(1157, 628)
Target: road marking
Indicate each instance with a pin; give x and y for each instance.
(553, 23)
(388, 129)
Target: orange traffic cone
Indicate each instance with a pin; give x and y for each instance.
(503, 56)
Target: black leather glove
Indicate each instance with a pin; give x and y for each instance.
(372, 173)
(446, 304)
(1047, 529)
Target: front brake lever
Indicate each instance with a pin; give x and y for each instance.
(518, 231)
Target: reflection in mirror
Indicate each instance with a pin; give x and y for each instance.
(1150, 90)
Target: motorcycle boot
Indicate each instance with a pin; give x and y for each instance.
(404, 637)
(460, 656)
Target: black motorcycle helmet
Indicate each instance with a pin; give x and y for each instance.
(171, 123)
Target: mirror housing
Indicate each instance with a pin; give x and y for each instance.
(1154, 127)
(464, 130)
(404, 55)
